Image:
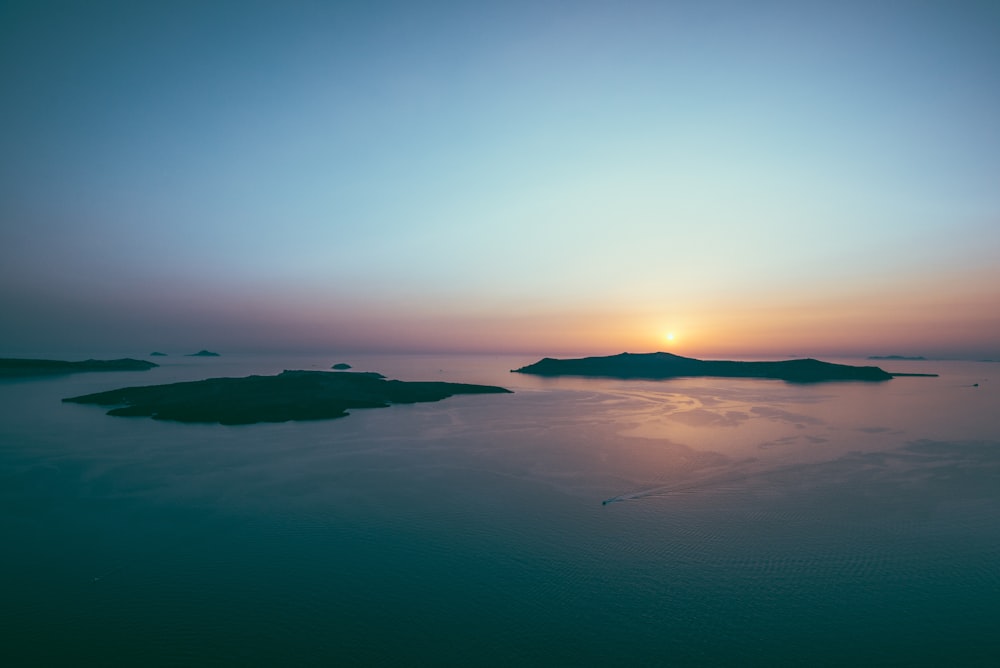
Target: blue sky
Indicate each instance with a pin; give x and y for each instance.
(565, 176)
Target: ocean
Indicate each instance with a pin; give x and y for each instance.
(575, 522)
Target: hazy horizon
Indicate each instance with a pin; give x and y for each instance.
(711, 179)
(344, 354)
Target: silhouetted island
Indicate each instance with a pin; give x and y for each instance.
(341, 366)
(11, 367)
(896, 357)
(291, 395)
(157, 354)
(203, 353)
(655, 366)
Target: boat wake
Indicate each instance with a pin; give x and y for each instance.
(715, 480)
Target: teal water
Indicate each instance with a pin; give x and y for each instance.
(749, 522)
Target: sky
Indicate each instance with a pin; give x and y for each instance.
(707, 178)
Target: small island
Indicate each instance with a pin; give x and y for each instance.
(12, 367)
(157, 354)
(203, 353)
(657, 366)
(341, 366)
(290, 395)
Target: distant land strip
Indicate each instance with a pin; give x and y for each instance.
(658, 366)
(290, 395)
(914, 358)
(13, 367)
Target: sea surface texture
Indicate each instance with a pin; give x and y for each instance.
(576, 522)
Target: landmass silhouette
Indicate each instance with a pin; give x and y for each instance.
(13, 367)
(290, 395)
(897, 357)
(203, 353)
(655, 366)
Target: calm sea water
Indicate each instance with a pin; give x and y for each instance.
(748, 522)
